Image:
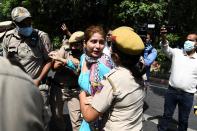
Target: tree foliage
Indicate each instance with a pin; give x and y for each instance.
(138, 13)
(183, 15)
(80, 13)
(48, 15)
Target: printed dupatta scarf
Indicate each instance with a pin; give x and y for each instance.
(95, 77)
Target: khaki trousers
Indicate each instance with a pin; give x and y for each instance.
(74, 113)
(57, 98)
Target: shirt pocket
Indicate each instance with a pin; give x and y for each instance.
(28, 52)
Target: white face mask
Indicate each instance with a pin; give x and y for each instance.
(189, 45)
(26, 31)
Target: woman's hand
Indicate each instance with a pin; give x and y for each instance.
(86, 99)
(54, 55)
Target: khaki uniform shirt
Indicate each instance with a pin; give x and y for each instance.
(32, 52)
(121, 101)
(21, 104)
(1, 42)
(1, 49)
(64, 75)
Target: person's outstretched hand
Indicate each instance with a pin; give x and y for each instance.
(54, 55)
(65, 29)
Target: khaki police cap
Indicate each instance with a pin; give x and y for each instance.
(76, 37)
(4, 26)
(127, 40)
(19, 14)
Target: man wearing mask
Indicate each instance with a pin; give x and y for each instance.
(182, 82)
(27, 45)
(65, 83)
(29, 48)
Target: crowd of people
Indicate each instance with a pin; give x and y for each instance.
(102, 78)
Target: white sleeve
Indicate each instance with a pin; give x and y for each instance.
(167, 49)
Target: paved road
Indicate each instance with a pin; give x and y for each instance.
(155, 101)
(152, 115)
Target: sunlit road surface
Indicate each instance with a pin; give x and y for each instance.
(155, 102)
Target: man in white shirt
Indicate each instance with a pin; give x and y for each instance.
(107, 49)
(182, 82)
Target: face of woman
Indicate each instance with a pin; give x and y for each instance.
(94, 46)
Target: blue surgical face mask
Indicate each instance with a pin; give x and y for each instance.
(189, 45)
(26, 31)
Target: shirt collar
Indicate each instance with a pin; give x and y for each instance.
(16, 34)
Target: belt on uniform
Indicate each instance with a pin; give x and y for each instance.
(178, 90)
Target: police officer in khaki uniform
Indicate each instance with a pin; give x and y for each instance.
(21, 102)
(120, 101)
(28, 46)
(65, 86)
(4, 27)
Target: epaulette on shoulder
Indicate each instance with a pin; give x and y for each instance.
(40, 33)
(110, 73)
(109, 77)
